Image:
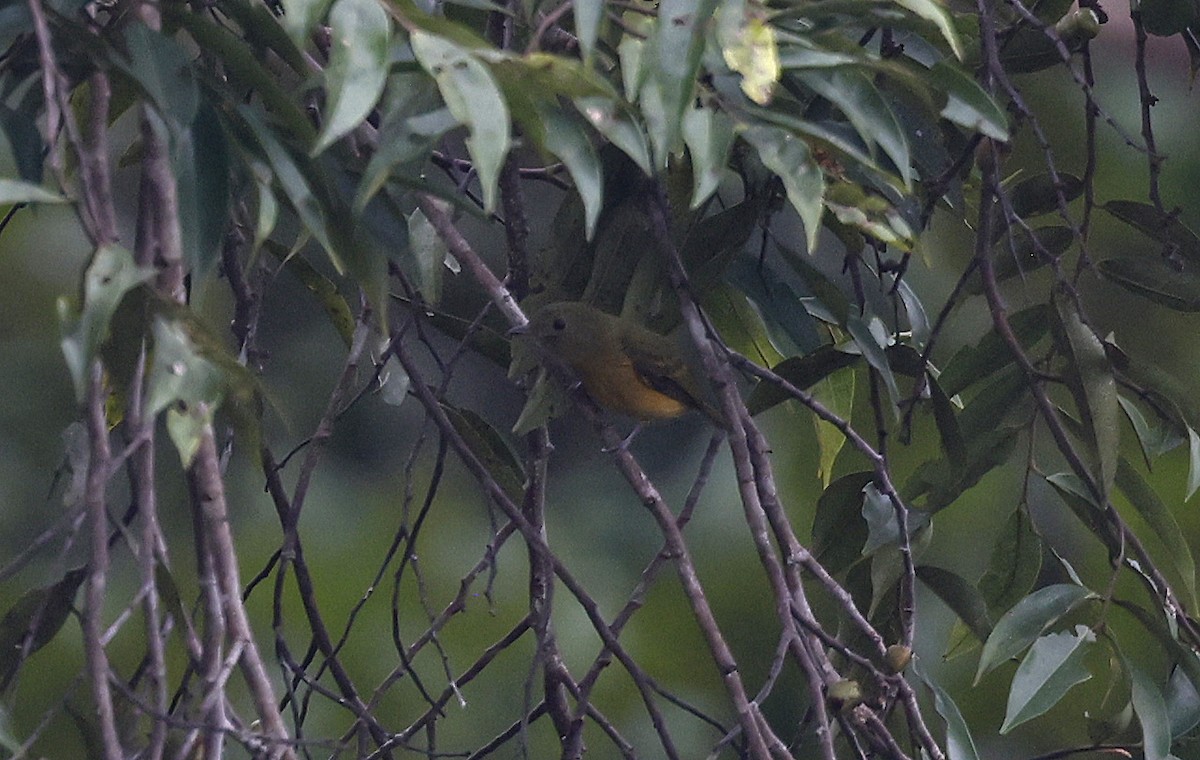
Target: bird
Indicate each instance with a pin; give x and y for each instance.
(624, 366)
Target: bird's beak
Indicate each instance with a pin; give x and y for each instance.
(520, 330)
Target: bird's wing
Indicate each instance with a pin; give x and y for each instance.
(653, 362)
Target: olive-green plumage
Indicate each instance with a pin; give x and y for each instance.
(624, 366)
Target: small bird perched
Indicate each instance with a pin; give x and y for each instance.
(624, 366)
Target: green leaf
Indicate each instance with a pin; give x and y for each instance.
(474, 98)
(678, 41)
(1164, 18)
(14, 191)
(34, 620)
(1162, 522)
(827, 294)
(541, 76)
(941, 481)
(200, 154)
(836, 392)
(974, 363)
(238, 57)
(936, 13)
(108, 278)
(789, 157)
(1193, 463)
(1031, 49)
(163, 70)
(960, 596)
(1025, 253)
(953, 445)
(1151, 711)
(1154, 440)
(547, 400)
(1040, 194)
(740, 325)
(588, 15)
(300, 16)
(491, 448)
(325, 291)
(872, 339)
(967, 104)
(1098, 400)
(880, 515)
(995, 405)
(429, 254)
(265, 31)
(180, 377)
(708, 136)
(25, 143)
(868, 212)
(802, 372)
(1054, 664)
(359, 56)
(918, 320)
(1015, 563)
(1183, 700)
(1021, 625)
(1166, 228)
(413, 122)
(612, 119)
(869, 112)
(1175, 285)
(771, 291)
(959, 743)
(839, 531)
(293, 175)
(566, 138)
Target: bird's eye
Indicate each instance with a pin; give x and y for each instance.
(560, 324)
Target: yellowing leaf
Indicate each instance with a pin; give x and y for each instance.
(749, 47)
(836, 392)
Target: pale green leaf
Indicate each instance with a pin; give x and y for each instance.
(588, 15)
(1015, 563)
(1153, 439)
(1162, 521)
(708, 136)
(1099, 404)
(967, 104)
(111, 274)
(934, 12)
(836, 392)
(14, 191)
(872, 339)
(179, 373)
(789, 156)
(472, 95)
(300, 16)
(1151, 710)
(612, 120)
(962, 597)
(360, 37)
(1193, 463)
(566, 137)
(855, 94)
(429, 253)
(1021, 625)
(1054, 664)
(678, 41)
(959, 743)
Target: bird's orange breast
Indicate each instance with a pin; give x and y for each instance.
(618, 386)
